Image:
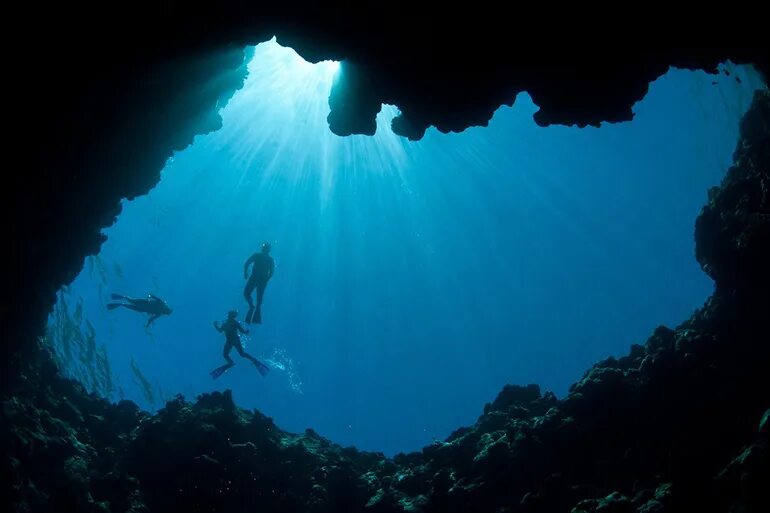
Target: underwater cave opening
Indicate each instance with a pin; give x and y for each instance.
(413, 279)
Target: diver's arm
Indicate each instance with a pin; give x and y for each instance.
(249, 261)
(152, 318)
(271, 269)
(218, 328)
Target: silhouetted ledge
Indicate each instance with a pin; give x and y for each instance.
(679, 424)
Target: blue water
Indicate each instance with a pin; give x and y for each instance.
(413, 279)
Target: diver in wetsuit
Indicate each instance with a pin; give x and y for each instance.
(152, 305)
(230, 328)
(261, 272)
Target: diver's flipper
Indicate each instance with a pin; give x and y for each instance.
(112, 306)
(117, 296)
(257, 316)
(249, 314)
(261, 367)
(219, 371)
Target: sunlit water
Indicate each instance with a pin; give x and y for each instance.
(414, 279)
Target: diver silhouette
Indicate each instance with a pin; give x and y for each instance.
(230, 328)
(261, 272)
(152, 305)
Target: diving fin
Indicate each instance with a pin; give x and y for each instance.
(219, 371)
(117, 296)
(113, 306)
(261, 367)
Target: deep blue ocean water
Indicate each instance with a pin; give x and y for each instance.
(413, 279)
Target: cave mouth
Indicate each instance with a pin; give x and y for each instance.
(413, 279)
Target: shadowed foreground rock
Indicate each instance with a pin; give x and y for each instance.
(679, 424)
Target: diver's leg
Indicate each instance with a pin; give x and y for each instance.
(261, 292)
(248, 289)
(257, 316)
(226, 353)
(250, 284)
(129, 302)
(137, 305)
(244, 354)
(230, 363)
(261, 367)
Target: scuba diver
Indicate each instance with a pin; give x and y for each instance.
(152, 305)
(230, 328)
(261, 272)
